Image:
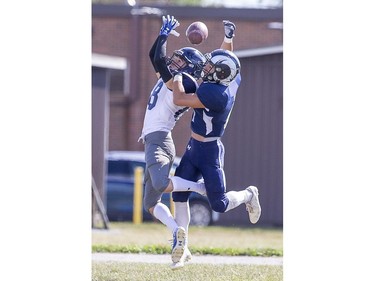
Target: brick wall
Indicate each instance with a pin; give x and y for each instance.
(115, 35)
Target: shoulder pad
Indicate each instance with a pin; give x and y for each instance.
(190, 84)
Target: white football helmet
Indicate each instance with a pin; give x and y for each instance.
(221, 67)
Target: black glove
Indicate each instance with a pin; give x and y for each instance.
(229, 28)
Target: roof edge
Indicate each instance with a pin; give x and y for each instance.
(106, 61)
(112, 10)
(259, 51)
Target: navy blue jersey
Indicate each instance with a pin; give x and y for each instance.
(218, 101)
(206, 159)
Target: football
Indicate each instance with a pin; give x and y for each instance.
(197, 32)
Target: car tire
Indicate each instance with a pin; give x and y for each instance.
(200, 213)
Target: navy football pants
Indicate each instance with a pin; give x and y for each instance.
(204, 159)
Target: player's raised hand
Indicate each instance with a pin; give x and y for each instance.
(169, 24)
(229, 28)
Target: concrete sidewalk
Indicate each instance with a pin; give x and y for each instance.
(207, 259)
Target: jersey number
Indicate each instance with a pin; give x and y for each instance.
(154, 96)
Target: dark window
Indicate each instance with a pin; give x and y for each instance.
(123, 168)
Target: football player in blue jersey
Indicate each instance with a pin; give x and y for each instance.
(204, 154)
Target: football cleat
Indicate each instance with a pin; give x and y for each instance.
(178, 247)
(177, 265)
(185, 258)
(253, 206)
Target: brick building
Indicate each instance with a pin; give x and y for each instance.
(123, 78)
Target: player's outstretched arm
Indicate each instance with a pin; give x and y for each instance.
(160, 56)
(229, 28)
(151, 54)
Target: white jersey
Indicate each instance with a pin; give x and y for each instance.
(161, 112)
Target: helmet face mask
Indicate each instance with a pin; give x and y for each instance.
(187, 60)
(221, 67)
(208, 70)
(175, 63)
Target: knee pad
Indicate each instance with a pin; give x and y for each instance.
(181, 196)
(160, 184)
(150, 198)
(219, 205)
(159, 177)
(147, 205)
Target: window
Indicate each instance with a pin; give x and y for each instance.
(118, 72)
(123, 168)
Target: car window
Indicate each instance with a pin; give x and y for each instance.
(123, 168)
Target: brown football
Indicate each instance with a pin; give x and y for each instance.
(197, 32)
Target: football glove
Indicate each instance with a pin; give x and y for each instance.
(169, 24)
(229, 28)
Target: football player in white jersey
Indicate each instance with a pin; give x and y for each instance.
(160, 118)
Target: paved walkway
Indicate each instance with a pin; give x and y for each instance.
(148, 258)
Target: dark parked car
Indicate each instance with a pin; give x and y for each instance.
(120, 190)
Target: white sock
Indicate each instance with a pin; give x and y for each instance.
(182, 216)
(163, 214)
(236, 198)
(180, 184)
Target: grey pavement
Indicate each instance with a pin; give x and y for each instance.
(207, 259)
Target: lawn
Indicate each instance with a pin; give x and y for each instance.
(117, 271)
(154, 238)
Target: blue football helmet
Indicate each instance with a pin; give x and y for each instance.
(187, 60)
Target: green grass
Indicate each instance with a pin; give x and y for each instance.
(116, 271)
(153, 238)
(161, 249)
(214, 240)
